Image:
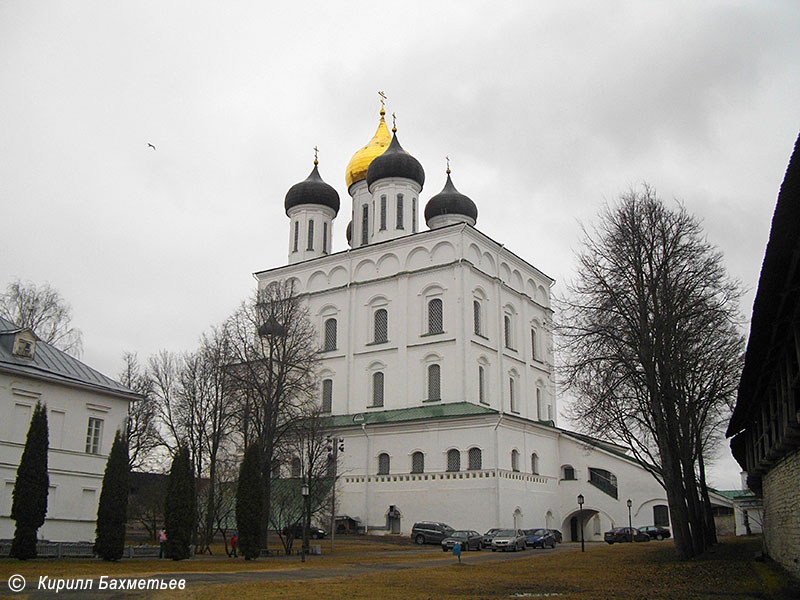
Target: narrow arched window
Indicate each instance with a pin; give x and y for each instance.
(418, 462)
(295, 467)
(399, 211)
(413, 215)
(327, 395)
(383, 213)
(296, 235)
(377, 388)
(364, 224)
(514, 460)
(476, 317)
(383, 464)
(539, 406)
(534, 353)
(453, 460)
(475, 458)
(507, 331)
(435, 316)
(330, 335)
(434, 382)
(512, 396)
(310, 234)
(482, 384)
(381, 326)
(325, 237)
(535, 463)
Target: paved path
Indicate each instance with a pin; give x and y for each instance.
(424, 557)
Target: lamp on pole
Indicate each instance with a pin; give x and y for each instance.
(304, 549)
(629, 503)
(580, 504)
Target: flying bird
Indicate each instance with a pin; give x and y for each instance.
(151, 145)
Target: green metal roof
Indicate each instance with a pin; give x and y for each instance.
(402, 415)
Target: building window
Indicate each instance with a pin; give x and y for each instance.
(539, 407)
(514, 460)
(383, 213)
(434, 382)
(512, 396)
(296, 235)
(604, 480)
(381, 326)
(534, 354)
(482, 384)
(383, 464)
(377, 388)
(535, 463)
(661, 515)
(413, 215)
(327, 395)
(310, 235)
(330, 335)
(596, 522)
(94, 435)
(568, 473)
(435, 316)
(475, 459)
(295, 469)
(418, 462)
(476, 317)
(365, 225)
(453, 460)
(508, 332)
(399, 211)
(325, 237)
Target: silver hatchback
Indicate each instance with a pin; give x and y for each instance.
(508, 539)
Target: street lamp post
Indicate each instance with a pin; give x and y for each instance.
(304, 549)
(580, 504)
(630, 527)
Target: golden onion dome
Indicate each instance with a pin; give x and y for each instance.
(358, 165)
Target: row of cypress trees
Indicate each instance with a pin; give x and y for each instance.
(29, 504)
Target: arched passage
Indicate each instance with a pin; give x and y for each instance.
(577, 520)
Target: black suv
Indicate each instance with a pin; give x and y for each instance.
(296, 531)
(430, 532)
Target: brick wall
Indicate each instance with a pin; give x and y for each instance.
(782, 512)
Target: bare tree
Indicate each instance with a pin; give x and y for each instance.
(141, 423)
(651, 348)
(275, 354)
(42, 309)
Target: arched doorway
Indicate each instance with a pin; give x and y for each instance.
(572, 525)
(517, 518)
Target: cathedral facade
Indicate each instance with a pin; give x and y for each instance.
(437, 364)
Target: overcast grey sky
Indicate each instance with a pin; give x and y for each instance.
(546, 109)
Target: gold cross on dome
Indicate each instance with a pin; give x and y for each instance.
(316, 150)
(447, 158)
(394, 122)
(383, 98)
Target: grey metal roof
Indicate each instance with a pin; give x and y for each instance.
(53, 364)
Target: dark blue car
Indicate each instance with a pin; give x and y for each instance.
(540, 538)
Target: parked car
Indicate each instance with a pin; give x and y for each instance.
(557, 535)
(469, 540)
(625, 534)
(296, 531)
(488, 536)
(430, 532)
(656, 532)
(540, 538)
(508, 539)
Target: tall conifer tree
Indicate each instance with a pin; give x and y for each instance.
(181, 506)
(29, 505)
(249, 495)
(112, 510)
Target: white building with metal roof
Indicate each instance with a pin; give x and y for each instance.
(84, 410)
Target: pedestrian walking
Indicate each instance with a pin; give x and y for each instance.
(234, 541)
(162, 542)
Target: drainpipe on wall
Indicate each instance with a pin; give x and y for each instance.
(368, 453)
(497, 473)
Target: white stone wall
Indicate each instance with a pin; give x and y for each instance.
(781, 525)
(75, 476)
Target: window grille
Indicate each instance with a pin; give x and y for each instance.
(325, 237)
(481, 384)
(295, 467)
(453, 460)
(418, 462)
(310, 235)
(507, 331)
(94, 435)
(435, 316)
(514, 460)
(381, 323)
(434, 382)
(364, 225)
(534, 463)
(475, 459)
(296, 235)
(603, 480)
(327, 395)
(476, 316)
(330, 335)
(383, 464)
(383, 213)
(399, 211)
(377, 389)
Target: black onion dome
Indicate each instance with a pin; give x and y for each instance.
(450, 201)
(395, 162)
(312, 191)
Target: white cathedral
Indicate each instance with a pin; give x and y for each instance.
(436, 364)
